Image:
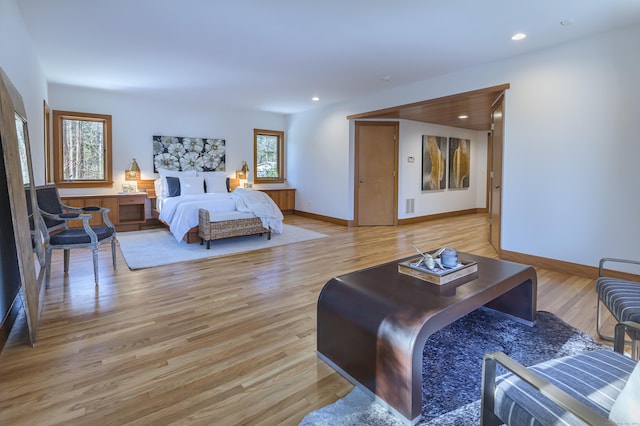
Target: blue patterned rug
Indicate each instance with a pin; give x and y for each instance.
(452, 368)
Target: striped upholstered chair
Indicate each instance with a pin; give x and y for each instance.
(595, 388)
(622, 299)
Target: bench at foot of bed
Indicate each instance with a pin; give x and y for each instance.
(209, 230)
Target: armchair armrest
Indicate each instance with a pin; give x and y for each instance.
(555, 394)
(85, 218)
(92, 209)
(66, 216)
(605, 260)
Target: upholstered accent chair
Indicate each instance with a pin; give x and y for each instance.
(54, 223)
(621, 298)
(597, 387)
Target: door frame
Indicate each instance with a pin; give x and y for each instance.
(498, 103)
(356, 166)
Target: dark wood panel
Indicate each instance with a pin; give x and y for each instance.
(446, 111)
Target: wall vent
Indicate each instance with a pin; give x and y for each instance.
(410, 205)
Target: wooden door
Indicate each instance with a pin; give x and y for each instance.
(495, 188)
(376, 188)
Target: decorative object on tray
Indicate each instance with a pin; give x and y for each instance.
(439, 267)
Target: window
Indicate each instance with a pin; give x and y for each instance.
(268, 165)
(81, 149)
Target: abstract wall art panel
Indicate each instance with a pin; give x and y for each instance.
(434, 162)
(459, 163)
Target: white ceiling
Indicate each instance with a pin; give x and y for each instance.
(274, 55)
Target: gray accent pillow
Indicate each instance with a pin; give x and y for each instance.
(173, 186)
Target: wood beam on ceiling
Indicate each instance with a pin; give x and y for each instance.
(445, 111)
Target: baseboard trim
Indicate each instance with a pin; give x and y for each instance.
(419, 219)
(408, 221)
(329, 219)
(562, 266)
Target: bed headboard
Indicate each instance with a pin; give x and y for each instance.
(148, 186)
(233, 183)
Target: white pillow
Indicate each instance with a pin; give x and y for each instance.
(626, 408)
(190, 185)
(173, 173)
(157, 185)
(215, 181)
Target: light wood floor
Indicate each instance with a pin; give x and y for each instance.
(223, 341)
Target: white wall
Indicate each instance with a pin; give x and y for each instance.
(410, 174)
(137, 120)
(19, 61)
(572, 124)
(571, 139)
(571, 156)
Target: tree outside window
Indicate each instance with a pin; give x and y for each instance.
(82, 149)
(268, 164)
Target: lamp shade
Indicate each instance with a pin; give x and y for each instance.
(133, 172)
(242, 173)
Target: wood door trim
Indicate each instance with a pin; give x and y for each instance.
(356, 167)
(498, 103)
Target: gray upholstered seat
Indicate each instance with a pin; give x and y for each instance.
(574, 390)
(622, 299)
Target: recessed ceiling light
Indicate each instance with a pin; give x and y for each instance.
(462, 117)
(518, 36)
(315, 99)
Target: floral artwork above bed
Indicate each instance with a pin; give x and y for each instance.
(180, 153)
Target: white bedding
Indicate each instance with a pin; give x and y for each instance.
(181, 213)
(261, 205)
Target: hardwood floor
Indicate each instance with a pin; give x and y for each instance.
(223, 341)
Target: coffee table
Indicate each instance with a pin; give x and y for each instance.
(373, 323)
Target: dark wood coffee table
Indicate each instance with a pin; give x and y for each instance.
(373, 323)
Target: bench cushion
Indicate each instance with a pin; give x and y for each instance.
(595, 378)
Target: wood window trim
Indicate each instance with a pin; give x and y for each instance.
(280, 135)
(58, 177)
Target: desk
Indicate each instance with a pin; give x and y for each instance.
(373, 323)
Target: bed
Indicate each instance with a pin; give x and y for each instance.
(180, 195)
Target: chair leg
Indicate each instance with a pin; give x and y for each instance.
(633, 343)
(66, 261)
(95, 264)
(113, 252)
(599, 322)
(488, 389)
(47, 268)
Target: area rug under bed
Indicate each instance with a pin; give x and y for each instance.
(452, 368)
(156, 247)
